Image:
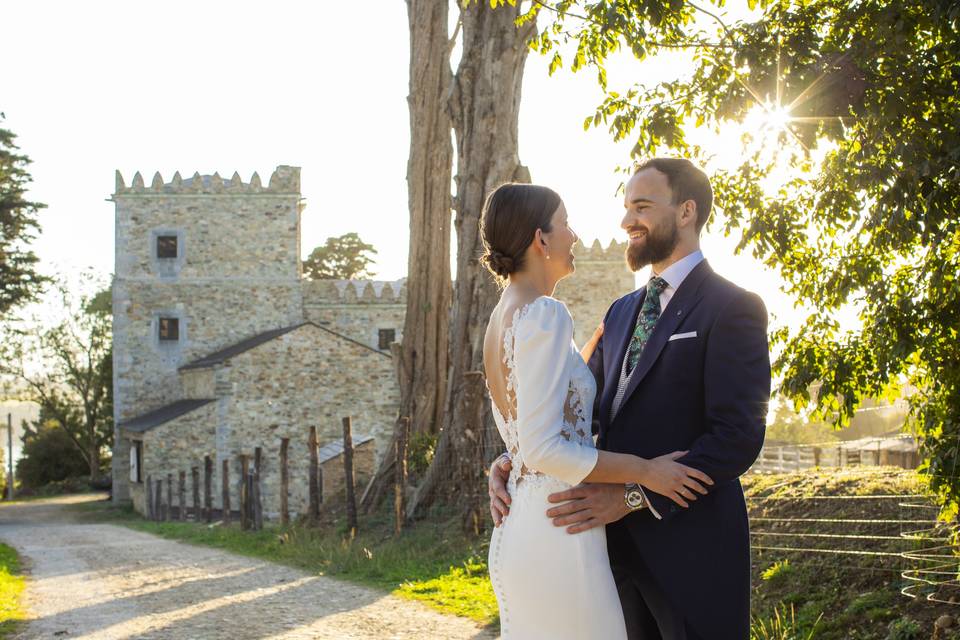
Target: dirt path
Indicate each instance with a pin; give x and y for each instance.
(106, 581)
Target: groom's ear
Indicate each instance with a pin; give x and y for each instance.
(688, 212)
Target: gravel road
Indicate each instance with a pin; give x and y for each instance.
(105, 581)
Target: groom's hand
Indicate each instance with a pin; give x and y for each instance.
(587, 506)
(497, 487)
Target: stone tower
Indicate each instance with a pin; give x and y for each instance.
(201, 263)
(601, 277)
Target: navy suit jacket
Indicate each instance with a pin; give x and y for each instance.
(706, 394)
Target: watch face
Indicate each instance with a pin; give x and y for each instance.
(634, 499)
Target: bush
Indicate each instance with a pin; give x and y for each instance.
(903, 629)
(49, 455)
(420, 452)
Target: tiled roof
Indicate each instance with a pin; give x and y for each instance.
(218, 357)
(155, 418)
(334, 449)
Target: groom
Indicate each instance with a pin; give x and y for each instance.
(683, 365)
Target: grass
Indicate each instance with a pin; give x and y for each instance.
(11, 589)
(837, 596)
(434, 563)
(781, 626)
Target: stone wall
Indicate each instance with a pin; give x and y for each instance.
(334, 479)
(198, 383)
(236, 273)
(302, 378)
(358, 309)
(278, 390)
(174, 446)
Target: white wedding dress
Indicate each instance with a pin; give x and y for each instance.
(549, 584)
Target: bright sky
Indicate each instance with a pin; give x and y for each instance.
(242, 86)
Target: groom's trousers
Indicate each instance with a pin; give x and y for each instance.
(648, 613)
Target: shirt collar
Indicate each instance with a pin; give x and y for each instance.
(676, 273)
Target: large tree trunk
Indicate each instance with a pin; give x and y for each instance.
(485, 106)
(421, 360)
(423, 352)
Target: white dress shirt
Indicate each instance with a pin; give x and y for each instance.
(675, 274)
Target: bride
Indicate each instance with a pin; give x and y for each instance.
(548, 583)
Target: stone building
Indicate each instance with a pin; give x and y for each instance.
(221, 346)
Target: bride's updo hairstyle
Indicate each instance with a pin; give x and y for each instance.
(510, 219)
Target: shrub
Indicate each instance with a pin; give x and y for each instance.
(49, 455)
(903, 629)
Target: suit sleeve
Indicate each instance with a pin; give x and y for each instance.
(596, 367)
(543, 341)
(736, 389)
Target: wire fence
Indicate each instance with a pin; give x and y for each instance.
(904, 539)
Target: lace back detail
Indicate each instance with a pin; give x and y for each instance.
(577, 410)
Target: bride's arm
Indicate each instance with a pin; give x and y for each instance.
(541, 360)
(591, 345)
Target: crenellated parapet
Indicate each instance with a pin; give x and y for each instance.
(284, 180)
(613, 252)
(325, 292)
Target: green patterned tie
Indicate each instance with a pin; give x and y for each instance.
(649, 314)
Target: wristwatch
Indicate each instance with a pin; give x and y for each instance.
(633, 497)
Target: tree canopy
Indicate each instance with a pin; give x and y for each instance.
(18, 225)
(65, 365)
(854, 197)
(341, 258)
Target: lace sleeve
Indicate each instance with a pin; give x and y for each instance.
(542, 358)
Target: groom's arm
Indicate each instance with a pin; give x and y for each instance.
(736, 383)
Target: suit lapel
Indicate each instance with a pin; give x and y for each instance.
(683, 301)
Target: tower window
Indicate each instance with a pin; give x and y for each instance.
(169, 328)
(166, 246)
(386, 337)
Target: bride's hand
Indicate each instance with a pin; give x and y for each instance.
(591, 344)
(675, 481)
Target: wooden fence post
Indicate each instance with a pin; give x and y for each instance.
(400, 485)
(168, 512)
(148, 503)
(319, 484)
(195, 476)
(257, 506)
(284, 482)
(313, 482)
(225, 498)
(348, 476)
(158, 500)
(244, 491)
(208, 488)
(182, 496)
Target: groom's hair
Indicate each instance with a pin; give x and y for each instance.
(687, 182)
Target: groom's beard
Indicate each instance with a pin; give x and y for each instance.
(659, 244)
